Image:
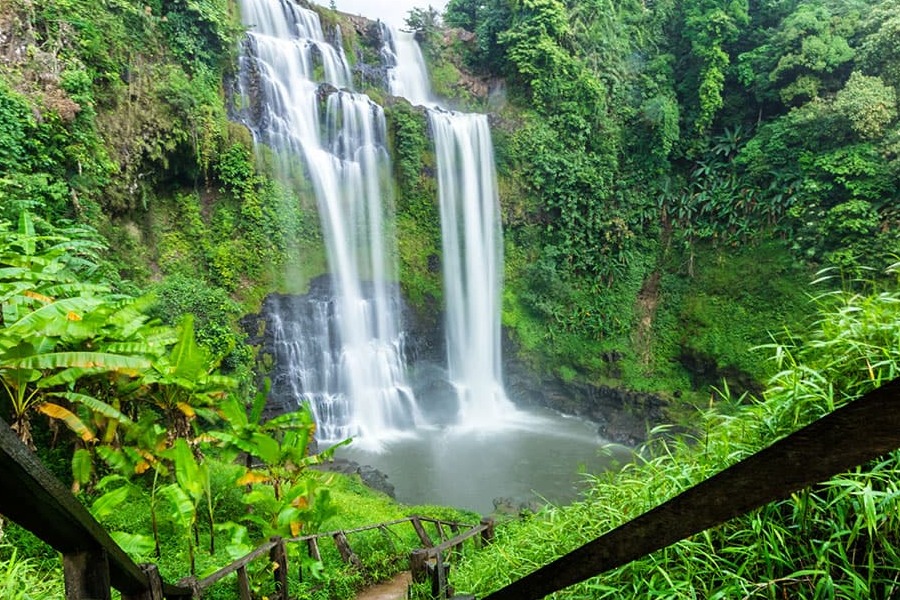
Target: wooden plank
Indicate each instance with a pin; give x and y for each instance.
(389, 538)
(478, 529)
(240, 563)
(852, 435)
(487, 534)
(33, 498)
(420, 531)
(243, 584)
(450, 523)
(279, 557)
(312, 545)
(304, 538)
(439, 529)
(347, 553)
(86, 575)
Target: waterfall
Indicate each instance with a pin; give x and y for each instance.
(471, 242)
(347, 347)
(408, 76)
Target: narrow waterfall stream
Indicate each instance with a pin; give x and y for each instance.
(471, 242)
(348, 352)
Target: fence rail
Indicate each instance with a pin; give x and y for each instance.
(850, 436)
(93, 563)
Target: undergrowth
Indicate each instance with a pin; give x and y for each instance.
(839, 539)
(24, 578)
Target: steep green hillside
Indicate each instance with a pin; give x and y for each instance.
(671, 175)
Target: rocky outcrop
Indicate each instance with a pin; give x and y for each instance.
(370, 476)
(622, 416)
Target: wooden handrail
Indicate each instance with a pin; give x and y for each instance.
(852, 435)
(485, 528)
(36, 500)
(238, 564)
(92, 561)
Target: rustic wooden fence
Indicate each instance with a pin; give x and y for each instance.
(93, 563)
(850, 436)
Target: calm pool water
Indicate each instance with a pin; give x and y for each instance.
(535, 456)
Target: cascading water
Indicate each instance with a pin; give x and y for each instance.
(347, 349)
(471, 240)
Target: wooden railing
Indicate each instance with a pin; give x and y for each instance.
(430, 564)
(276, 547)
(93, 563)
(850, 436)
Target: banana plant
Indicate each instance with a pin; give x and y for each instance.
(182, 385)
(56, 330)
(191, 489)
(281, 479)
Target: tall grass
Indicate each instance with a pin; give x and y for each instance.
(23, 579)
(839, 539)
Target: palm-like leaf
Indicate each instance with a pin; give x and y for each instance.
(129, 365)
(69, 418)
(95, 405)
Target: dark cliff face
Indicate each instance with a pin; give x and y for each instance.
(622, 416)
(298, 313)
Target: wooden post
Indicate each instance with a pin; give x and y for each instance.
(440, 531)
(243, 582)
(456, 553)
(347, 553)
(417, 567)
(388, 538)
(279, 557)
(417, 524)
(86, 575)
(154, 580)
(439, 578)
(313, 545)
(487, 536)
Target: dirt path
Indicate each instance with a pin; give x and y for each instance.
(395, 589)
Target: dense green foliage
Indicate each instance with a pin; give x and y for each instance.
(670, 174)
(642, 140)
(838, 539)
(117, 117)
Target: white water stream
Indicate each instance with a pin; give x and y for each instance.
(471, 241)
(356, 345)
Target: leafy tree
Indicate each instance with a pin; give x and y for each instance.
(462, 13)
(487, 20)
(868, 104)
(806, 58)
(709, 25)
(878, 51)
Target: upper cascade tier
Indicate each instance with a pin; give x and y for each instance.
(471, 240)
(348, 348)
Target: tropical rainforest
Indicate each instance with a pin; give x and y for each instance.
(699, 201)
